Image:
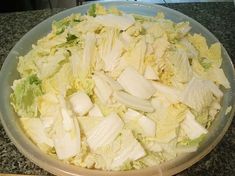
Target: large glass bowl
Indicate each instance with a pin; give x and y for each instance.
(11, 123)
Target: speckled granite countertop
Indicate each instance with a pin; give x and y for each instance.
(217, 17)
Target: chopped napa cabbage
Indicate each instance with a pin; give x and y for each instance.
(188, 145)
(123, 149)
(169, 150)
(160, 105)
(25, 94)
(95, 9)
(51, 42)
(214, 109)
(87, 124)
(81, 103)
(150, 73)
(120, 22)
(26, 65)
(119, 68)
(182, 28)
(152, 146)
(160, 45)
(75, 60)
(126, 39)
(83, 85)
(154, 29)
(151, 159)
(213, 53)
(166, 136)
(80, 159)
(114, 84)
(200, 93)
(135, 57)
(216, 75)
(135, 84)
(180, 63)
(110, 48)
(51, 64)
(88, 54)
(67, 143)
(36, 131)
(49, 108)
(191, 127)
(112, 58)
(171, 93)
(148, 126)
(59, 27)
(202, 117)
(205, 63)
(67, 119)
(95, 112)
(92, 10)
(130, 150)
(131, 114)
(102, 89)
(199, 43)
(105, 132)
(135, 30)
(189, 48)
(165, 72)
(167, 126)
(60, 82)
(114, 106)
(200, 65)
(133, 102)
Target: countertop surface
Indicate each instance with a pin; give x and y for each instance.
(217, 17)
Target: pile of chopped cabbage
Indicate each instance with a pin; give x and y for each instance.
(115, 91)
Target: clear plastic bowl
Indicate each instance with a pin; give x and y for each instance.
(10, 120)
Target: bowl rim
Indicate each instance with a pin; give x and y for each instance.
(59, 168)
